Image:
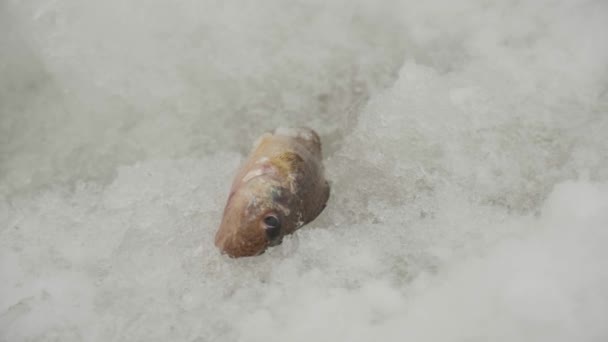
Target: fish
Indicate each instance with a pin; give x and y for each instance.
(279, 188)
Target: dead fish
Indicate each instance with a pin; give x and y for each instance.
(279, 188)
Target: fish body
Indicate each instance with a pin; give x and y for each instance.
(279, 188)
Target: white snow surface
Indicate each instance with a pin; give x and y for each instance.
(466, 143)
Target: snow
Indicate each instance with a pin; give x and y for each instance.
(465, 142)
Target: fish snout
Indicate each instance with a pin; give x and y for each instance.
(252, 238)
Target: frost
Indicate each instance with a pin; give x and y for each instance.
(465, 143)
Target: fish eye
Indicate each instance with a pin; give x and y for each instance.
(272, 225)
(271, 221)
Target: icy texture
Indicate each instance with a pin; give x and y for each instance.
(466, 143)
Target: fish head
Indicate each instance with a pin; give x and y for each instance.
(256, 217)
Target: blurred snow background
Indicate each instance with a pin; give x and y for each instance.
(466, 141)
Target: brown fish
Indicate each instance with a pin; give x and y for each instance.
(279, 188)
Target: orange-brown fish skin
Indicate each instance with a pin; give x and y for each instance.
(280, 187)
